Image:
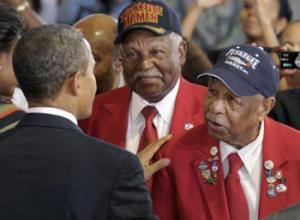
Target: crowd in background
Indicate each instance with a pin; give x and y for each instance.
(138, 85)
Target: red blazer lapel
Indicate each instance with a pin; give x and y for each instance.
(273, 149)
(189, 109)
(114, 119)
(214, 195)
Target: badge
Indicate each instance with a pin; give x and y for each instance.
(214, 166)
(268, 173)
(213, 151)
(276, 181)
(271, 179)
(280, 188)
(271, 193)
(188, 126)
(206, 174)
(210, 167)
(203, 165)
(269, 165)
(278, 174)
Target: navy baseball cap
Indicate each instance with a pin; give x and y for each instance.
(246, 70)
(154, 16)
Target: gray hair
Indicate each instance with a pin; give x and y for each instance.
(46, 56)
(176, 39)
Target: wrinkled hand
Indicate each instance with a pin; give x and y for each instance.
(207, 4)
(147, 154)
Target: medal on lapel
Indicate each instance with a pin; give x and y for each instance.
(210, 167)
(276, 181)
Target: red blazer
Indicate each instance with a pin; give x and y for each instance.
(109, 119)
(179, 191)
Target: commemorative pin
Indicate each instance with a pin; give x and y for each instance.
(276, 181)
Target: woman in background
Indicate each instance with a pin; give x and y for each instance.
(11, 27)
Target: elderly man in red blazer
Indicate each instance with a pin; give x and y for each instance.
(153, 52)
(239, 164)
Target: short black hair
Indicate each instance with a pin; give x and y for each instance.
(46, 56)
(11, 27)
(285, 10)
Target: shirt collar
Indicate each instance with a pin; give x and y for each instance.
(249, 153)
(163, 106)
(53, 111)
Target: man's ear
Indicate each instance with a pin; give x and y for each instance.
(74, 84)
(182, 52)
(265, 107)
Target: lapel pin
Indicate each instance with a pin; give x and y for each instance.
(213, 151)
(188, 126)
(210, 167)
(278, 175)
(203, 165)
(280, 188)
(269, 165)
(276, 181)
(271, 193)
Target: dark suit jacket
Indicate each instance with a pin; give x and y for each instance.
(181, 193)
(110, 113)
(290, 213)
(51, 170)
(287, 107)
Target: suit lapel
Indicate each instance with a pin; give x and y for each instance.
(214, 195)
(273, 149)
(187, 111)
(115, 117)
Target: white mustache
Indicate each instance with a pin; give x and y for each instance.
(148, 73)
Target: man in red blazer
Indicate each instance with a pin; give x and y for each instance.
(239, 164)
(153, 53)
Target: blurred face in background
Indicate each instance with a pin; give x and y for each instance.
(8, 81)
(249, 18)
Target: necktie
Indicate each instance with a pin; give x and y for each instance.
(237, 203)
(149, 133)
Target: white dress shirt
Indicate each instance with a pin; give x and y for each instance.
(53, 111)
(250, 173)
(162, 120)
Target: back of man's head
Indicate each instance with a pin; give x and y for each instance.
(45, 57)
(100, 30)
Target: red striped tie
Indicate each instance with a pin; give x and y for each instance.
(237, 203)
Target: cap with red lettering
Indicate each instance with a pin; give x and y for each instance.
(246, 70)
(154, 16)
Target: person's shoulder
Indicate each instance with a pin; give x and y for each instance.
(192, 86)
(287, 136)
(112, 95)
(98, 146)
(278, 127)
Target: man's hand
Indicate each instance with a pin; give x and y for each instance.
(147, 154)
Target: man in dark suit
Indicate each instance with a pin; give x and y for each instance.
(49, 168)
(153, 53)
